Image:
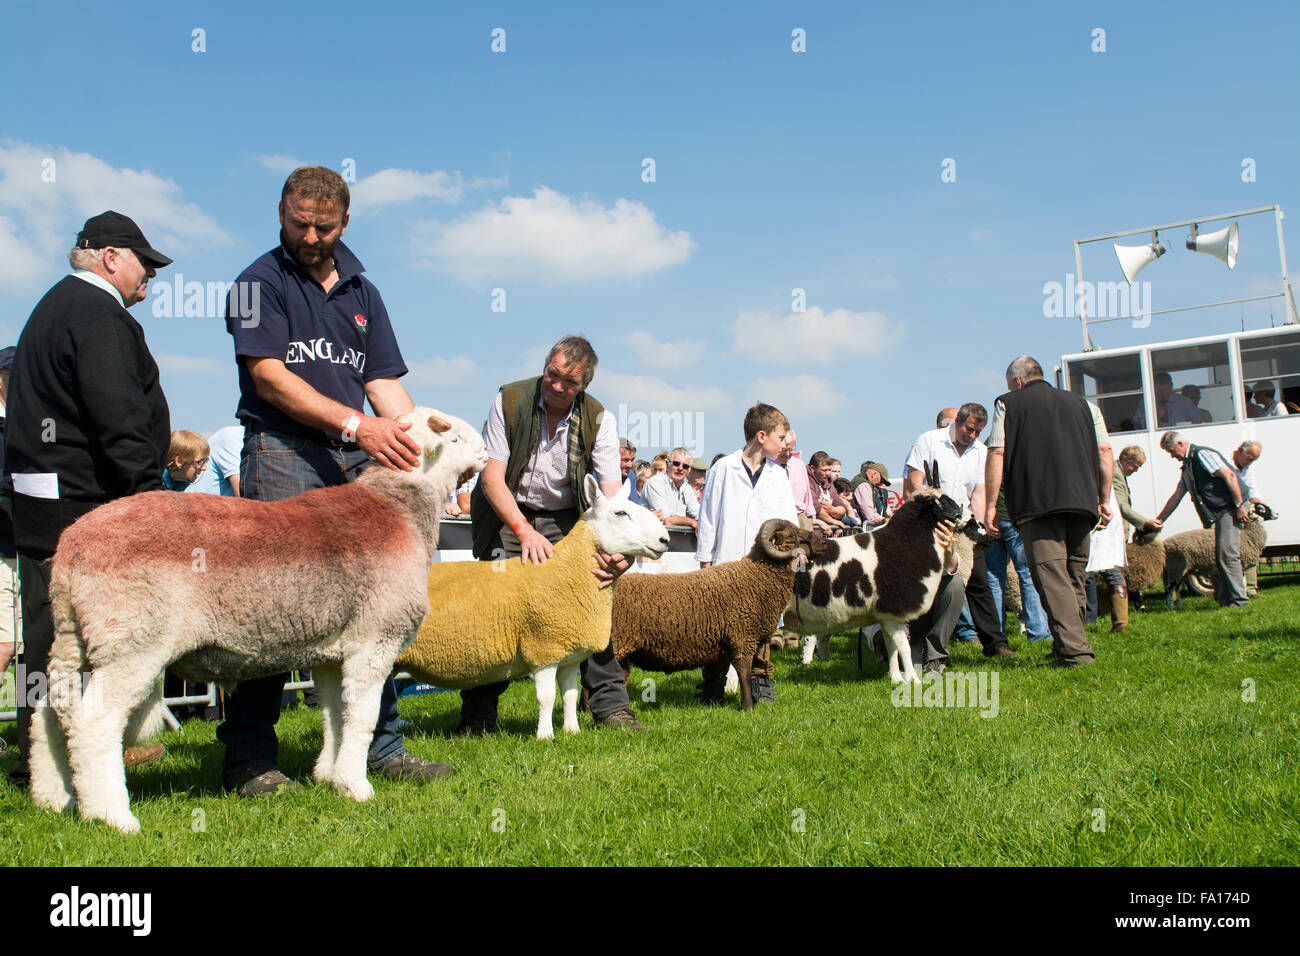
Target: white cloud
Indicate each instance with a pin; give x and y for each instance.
(193, 364)
(650, 351)
(391, 186)
(800, 397)
(442, 372)
(779, 335)
(46, 194)
(552, 237)
(279, 163)
(649, 393)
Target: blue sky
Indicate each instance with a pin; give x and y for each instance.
(774, 171)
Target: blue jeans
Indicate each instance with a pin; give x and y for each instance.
(1011, 545)
(274, 466)
(965, 630)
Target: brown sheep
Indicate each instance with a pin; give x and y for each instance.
(676, 622)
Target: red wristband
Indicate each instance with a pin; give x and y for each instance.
(518, 525)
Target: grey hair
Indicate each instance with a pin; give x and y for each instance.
(1254, 447)
(1024, 368)
(85, 259)
(679, 451)
(1168, 440)
(972, 410)
(575, 350)
(626, 445)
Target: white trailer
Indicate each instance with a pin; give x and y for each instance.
(1214, 373)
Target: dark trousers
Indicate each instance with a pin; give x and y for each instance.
(275, 466)
(602, 677)
(1057, 547)
(983, 610)
(38, 638)
(929, 634)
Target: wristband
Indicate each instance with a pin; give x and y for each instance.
(350, 428)
(518, 526)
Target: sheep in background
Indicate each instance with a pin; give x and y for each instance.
(491, 621)
(889, 577)
(676, 622)
(1192, 552)
(226, 589)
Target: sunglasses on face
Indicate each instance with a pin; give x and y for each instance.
(681, 464)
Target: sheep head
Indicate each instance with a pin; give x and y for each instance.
(939, 507)
(782, 542)
(447, 443)
(621, 527)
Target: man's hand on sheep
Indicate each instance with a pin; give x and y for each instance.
(1153, 524)
(943, 533)
(387, 442)
(610, 566)
(533, 546)
(991, 521)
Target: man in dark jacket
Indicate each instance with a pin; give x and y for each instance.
(1051, 449)
(87, 423)
(1219, 501)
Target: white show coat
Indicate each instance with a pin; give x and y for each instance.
(732, 509)
(1106, 546)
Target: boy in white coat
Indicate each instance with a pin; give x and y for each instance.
(743, 490)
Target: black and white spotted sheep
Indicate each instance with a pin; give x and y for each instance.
(888, 577)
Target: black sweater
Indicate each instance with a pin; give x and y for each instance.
(84, 403)
(1052, 463)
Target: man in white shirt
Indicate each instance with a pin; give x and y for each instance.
(670, 494)
(1269, 406)
(1243, 463)
(959, 456)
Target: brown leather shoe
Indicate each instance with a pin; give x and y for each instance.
(1000, 650)
(133, 757)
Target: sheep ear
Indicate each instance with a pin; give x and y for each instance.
(439, 425)
(934, 475)
(592, 487)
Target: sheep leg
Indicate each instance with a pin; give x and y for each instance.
(823, 647)
(147, 719)
(329, 688)
(807, 644)
(544, 682)
(743, 665)
(899, 650)
(362, 685)
(96, 726)
(48, 761)
(569, 695)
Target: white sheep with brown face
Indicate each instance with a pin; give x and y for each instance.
(490, 621)
(226, 589)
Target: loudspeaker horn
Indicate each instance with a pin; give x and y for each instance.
(1133, 259)
(1222, 244)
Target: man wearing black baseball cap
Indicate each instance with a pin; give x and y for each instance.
(87, 423)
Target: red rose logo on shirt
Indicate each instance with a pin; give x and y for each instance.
(360, 320)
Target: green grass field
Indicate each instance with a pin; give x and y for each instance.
(1178, 748)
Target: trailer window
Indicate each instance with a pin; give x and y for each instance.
(1114, 384)
(1271, 362)
(1191, 385)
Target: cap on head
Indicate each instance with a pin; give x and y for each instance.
(120, 232)
(884, 472)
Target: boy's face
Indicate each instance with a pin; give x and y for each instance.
(187, 472)
(772, 442)
(824, 472)
(835, 470)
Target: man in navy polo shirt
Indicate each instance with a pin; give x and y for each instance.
(314, 344)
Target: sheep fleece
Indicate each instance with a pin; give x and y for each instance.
(669, 622)
(271, 577)
(489, 621)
